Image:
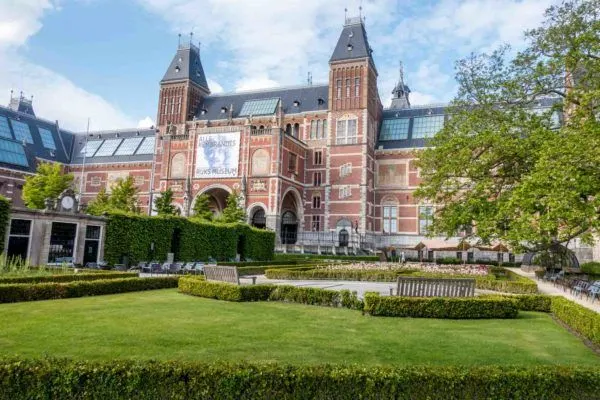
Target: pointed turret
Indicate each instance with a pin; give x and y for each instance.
(186, 65)
(353, 43)
(400, 92)
(21, 104)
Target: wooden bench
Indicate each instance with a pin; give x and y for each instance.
(435, 287)
(224, 274)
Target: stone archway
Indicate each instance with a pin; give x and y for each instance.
(257, 216)
(217, 197)
(291, 216)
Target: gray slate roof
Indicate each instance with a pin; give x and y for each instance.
(62, 139)
(187, 65)
(353, 35)
(308, 96)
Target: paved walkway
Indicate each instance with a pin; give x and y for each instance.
(548, 288)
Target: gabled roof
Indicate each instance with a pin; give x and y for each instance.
(353, 43)
(306, 96)
(186, 65)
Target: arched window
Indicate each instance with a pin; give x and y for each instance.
(178, 166)
(258, 219)
(319, 132)
(288, 129)
(296, 132)
(260, 162)
(324, 130)
(313, 130)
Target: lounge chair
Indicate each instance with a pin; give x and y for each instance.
(594, 291)
(580, 288)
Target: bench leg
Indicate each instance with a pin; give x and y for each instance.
(391, 291)
(254, 280)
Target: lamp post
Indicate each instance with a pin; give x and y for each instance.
(81, 187)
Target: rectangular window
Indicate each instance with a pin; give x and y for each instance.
(356, 87)
(345, 192)
(346, 132)
(47, 139)
(316, 201)
(394, 129)
(318, 134)
(18, 238)
(316, 223)
(339, 88)
(13, 153)
(390, 219)
(22, 132)
(292, 161)
(347, 87)
(317, 179)
(425, 219)
(318, 157)
(313, 129)
(426, 127)
(345, 170)
(4, 128)
(324, 131)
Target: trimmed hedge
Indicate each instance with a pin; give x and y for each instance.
(313, 257)
(4, 218)
(244, 271)
(582, 320)
(47, 291)
(592, 268)
(224, 291)
(515, 284)
(68, 277)
(439, 307)
(526, 302)
(317, 297)
(131, 236)
(129, 379)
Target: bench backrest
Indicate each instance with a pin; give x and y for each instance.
(435, 287)
(221, 273)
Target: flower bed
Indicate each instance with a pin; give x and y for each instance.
(475, 270)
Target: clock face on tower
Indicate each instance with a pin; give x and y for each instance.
(67, 202)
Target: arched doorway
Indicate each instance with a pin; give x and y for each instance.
(217, 199)
(289, 227)
(259, 220)
(343, 238)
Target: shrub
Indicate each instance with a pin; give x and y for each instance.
(306, 295)
(592, 268)
(68, 277)
(439, 307)
(129, 379)
(448, 260)
(347, 274)
(582, 320)
(526, 302)
(223, 290)
(53, 290)
(244, 271)
(255, 244)
(4, 218)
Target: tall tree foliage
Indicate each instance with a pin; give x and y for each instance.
(232, 211)
(48, 182)
(163, 205)
(511, 171)
(202, 209)
(123, 198)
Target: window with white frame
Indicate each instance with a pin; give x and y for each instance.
(347, 87)
(345, 192)
(425, 219)
(390, 219)
(316, 201)
(316, 223)
(313, 129)
(426, 127)
(345, 170)
(324, 129)
(338, 88)
(356, 87)
(318, 160)
(346, 131)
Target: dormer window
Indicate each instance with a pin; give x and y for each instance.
(203, 111)
(296, 103)
(350, 46)
(320, 101)
(223, 110)
(177, 69)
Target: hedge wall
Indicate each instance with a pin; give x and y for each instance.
(131, 236)
(582, 320)
(4, 217)
(526, 302)
(439, 307)
(68, 277)
(128, 379)
(47, 291)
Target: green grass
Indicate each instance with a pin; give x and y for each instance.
(168, 325)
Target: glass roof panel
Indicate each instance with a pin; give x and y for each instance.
(21, 131)
(147, 146)
(90, 147)
(4, 128)
(129, 145)
(394, 129)
(426, 127)
(259, 107)
(12, 153)
(47, 138)
(108, 147)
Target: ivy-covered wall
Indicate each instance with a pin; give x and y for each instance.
(143, 238)
(4, 217)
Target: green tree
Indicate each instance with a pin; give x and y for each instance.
(202, 209)
(514, 173)
(100, 204)
(48, 182)
(163, 204)
(124, 196)
(232, 211)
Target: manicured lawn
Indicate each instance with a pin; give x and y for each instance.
(167, 325)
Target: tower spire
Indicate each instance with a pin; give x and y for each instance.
(401, 91)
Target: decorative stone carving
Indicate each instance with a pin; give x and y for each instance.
(258, 185)
(260, 162)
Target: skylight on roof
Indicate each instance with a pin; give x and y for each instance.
(12, 153)
(259, 107)
(4, 128)
(129, 145)
(426, 127)
(394, 129)
(90, 147)
(21, 131)
(47, 139)
(147, 146)
(108, 147)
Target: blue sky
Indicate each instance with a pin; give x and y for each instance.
(103, 59)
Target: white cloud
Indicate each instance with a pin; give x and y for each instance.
(55, 96)
(259, 82)
(214, 86)
(145, 123)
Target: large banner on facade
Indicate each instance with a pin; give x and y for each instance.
(217, 155)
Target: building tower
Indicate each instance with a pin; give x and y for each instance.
(400, 92)
(354, 109)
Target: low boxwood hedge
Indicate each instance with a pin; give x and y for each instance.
(313, 257)
(52, 290)
(439, 307)
(582, 320)
(129, 379)
(592, 268)
(68, 277)
(526, 302)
